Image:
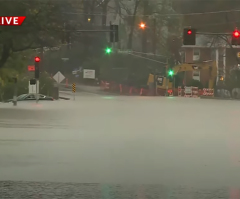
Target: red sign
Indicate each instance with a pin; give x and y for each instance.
(11, 21)
(31, 68)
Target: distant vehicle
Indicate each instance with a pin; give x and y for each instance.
(31, 97)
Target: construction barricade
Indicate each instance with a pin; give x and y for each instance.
(191, 91)
(187, 91)
(208, 92)
(179, 91)
(195, 92)
(105, 85)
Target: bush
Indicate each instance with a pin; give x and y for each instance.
(45, 87)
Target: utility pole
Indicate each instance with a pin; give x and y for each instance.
(114, 38)
(144, 32)
(167, 79)
(154, 52)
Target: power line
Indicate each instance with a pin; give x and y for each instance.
(147, 58)
(170, 14)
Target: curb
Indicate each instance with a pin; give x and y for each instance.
(219, 98)
(99, 92)
(64, 98)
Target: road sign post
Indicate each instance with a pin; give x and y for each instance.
(58, 77)
(74, 90)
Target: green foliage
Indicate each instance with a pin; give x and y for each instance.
(42, 27)
(121, 68)
(46, 86)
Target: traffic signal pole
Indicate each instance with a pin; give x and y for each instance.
(37, 75)
(166, 94)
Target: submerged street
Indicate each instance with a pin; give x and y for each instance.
(179, 146)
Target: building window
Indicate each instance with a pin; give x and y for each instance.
(196, 54)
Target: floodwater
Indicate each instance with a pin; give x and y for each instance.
(129, 147)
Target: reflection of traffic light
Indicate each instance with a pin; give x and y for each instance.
(108, 50)
(236, 37)
(189, 36)
(37, 68)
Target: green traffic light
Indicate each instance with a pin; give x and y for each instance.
(108, 50)
(170, 73)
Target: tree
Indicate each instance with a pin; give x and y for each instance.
(43, 26)
(214, 21)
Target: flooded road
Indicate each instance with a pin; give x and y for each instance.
(129, 145)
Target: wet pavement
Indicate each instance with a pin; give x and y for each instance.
(131, 147)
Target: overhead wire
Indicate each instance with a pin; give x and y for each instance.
(169, 14)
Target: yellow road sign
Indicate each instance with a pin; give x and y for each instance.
(74, 88)
(238, 54)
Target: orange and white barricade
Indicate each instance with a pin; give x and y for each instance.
(179, 91)
(194, 91)
(187, 91)
(208, 92)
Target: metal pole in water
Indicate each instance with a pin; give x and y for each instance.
(15, 92)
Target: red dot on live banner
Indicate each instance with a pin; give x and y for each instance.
(11, 20)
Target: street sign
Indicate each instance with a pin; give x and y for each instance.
(160, 80)
(88, 74)
(74, 88)
(238, 54)
(59, 77)
(31, 68)
(65, 59)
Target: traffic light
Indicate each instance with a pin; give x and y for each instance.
(236, 37)
(37, 68)
(189, 36)
(170, 73)
(113, 33)
(37, 59)
(142, 25)
(108, 50)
